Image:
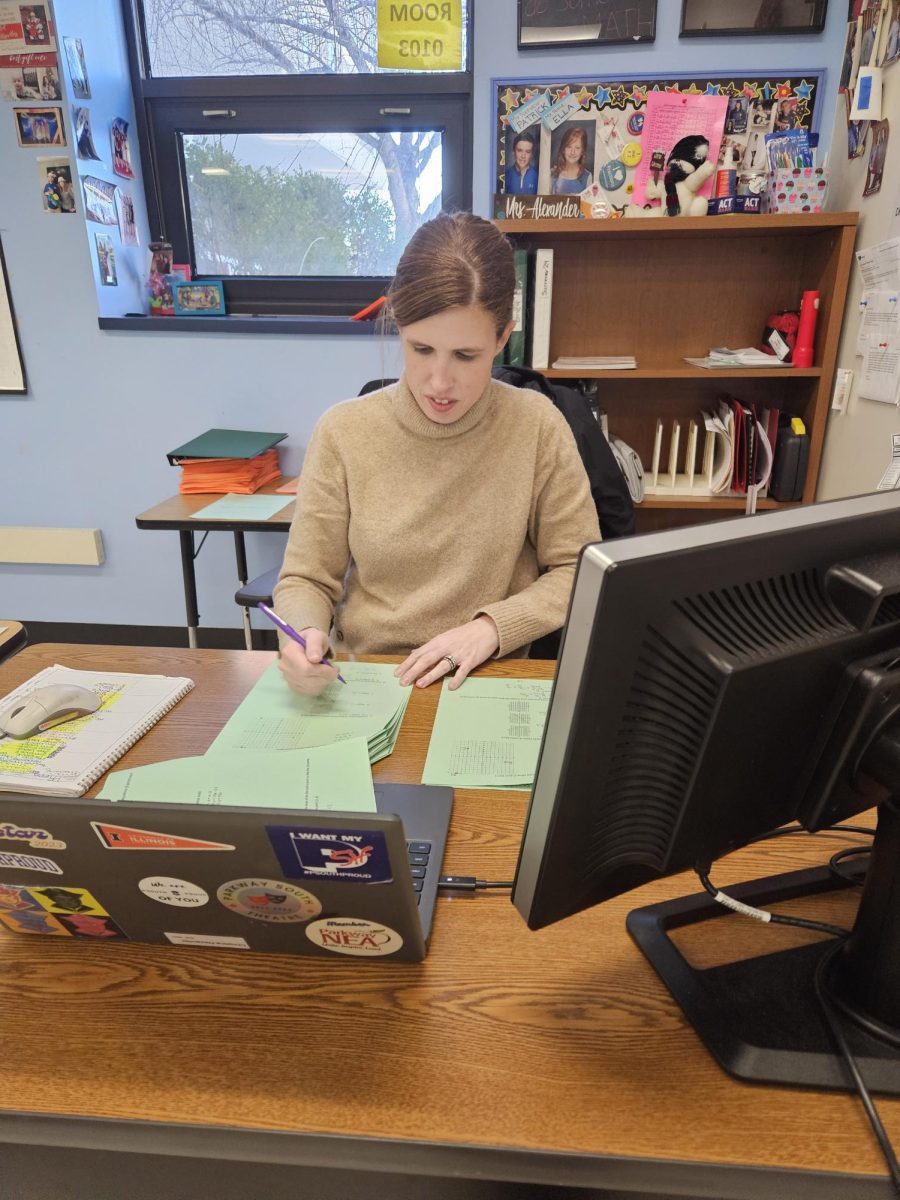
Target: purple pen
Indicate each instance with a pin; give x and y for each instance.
(288, 630)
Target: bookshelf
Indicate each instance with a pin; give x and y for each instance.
(664, 289)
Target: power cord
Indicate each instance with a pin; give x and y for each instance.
(763, 914)
(468, 883)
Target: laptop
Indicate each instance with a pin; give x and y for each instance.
(336, 885)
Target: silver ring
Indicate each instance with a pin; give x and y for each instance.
(452, 661)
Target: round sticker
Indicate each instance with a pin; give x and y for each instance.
(352, 935)
(636, 123)
(268, 900)
(612, 175)
(631, 154)
(178, 892)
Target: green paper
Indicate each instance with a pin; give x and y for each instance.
(325, 778)
(272, 717)
(487, 734)
(237, 507)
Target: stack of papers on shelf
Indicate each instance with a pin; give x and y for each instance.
(281, 749)
(487, 734)
(596, 362)
(721, 356)
(241, 475)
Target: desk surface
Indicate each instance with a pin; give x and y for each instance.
(177, 512)
(11, 633)
(550, 1056)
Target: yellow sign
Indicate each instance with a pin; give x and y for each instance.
(422, 35)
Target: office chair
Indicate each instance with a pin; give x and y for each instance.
(14, 638)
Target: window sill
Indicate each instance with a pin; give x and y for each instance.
(241, 323)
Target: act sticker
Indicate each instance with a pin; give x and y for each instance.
(13, 898)
(219, 940)
(178, 892)
(87, 926)
(360, 856)
(123, 837)
(351, 935)
(33, 921)
(268, 900)
(29, 862)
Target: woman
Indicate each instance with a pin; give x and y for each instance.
(441, 517)
(569, 171)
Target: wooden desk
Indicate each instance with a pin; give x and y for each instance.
(554, 1057)
(178, 513)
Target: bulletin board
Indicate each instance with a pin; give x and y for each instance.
(12, 371)
(611, 115)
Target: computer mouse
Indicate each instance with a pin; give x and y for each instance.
(47, 706)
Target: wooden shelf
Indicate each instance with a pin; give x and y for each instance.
(664, 289)
(690, 373)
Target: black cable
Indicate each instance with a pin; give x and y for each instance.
(825, 1003)
(468, 883)
(763, 914)
(839, 856)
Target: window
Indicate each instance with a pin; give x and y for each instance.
(281, 158)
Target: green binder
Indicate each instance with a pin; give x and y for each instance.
(515, 347)
(225, 443)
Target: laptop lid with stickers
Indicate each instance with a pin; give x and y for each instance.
(350, 886)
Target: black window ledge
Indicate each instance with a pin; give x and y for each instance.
(242, 323)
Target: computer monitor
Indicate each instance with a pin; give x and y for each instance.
(715, 683)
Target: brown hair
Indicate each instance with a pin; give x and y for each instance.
(454, 260)
(570, 136)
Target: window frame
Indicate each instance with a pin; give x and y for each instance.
(169, 106)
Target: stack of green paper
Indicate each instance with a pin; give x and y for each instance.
(272, 717)
(281, 749)
(487, 734)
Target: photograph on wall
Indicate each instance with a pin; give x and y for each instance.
(765, 18)
(39, 126)
(552, 23)
(99, 200)
(12, 368)
(81, 87)
(84, 138)
(125, 212)
(27, 77)
(611, 140)
(55, 177)
(25, 27)
(121, 149)
(891, 34)
(106, 260)
(877, 155)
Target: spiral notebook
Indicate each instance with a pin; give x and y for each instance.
(66, 759)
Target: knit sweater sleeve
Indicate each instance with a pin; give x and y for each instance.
(563, 519)
(315, 561)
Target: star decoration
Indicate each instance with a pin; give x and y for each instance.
(731, 89)
(751, 91)
(504, 122)
(602, 96)
(693, 90)
(510, 99)
(618, 97)
(639, 95)
(529, 92)
(674, 89)
(783, 91)
(584, 97)
(713, 89)
(803, 90)
(767, 91)
(561, 93)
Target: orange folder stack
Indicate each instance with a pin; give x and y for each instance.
(241, 475)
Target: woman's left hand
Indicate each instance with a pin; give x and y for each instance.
(467, 646)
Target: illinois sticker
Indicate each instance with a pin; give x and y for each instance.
(269, 900)
(352, 935)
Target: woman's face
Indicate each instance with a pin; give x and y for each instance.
(448, 359)
(574, 151)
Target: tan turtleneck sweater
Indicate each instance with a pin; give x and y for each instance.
(436, 523)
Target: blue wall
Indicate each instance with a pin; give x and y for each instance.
(86, 446)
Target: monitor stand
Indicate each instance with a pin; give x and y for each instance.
(760, 1017)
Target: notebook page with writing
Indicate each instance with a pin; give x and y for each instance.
(67, 758)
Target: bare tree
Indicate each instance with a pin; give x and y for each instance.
(291, 37)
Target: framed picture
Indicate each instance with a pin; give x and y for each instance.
(12, 369)
(701, 18)
(39, 126)
(544, 23)
(199, 299)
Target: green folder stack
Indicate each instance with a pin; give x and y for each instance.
(226, 443)
(487, 734)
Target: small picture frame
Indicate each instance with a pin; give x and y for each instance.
(555, 23)
(746, 18)
(199, 298)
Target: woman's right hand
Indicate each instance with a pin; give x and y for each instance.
(307, 671)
